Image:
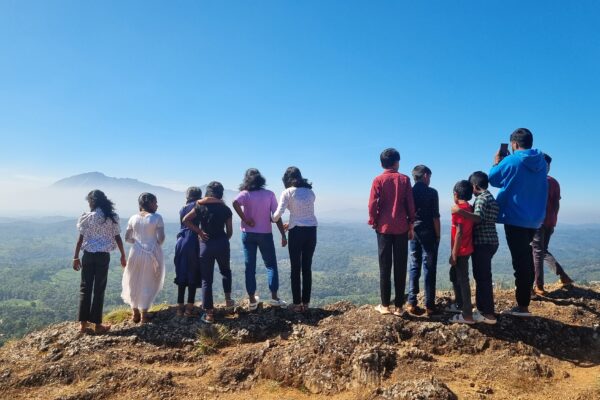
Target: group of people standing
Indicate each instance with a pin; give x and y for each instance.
(403, 216)
(203, 239)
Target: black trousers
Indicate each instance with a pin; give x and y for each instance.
(482, 272)
(301, 245)
(519, 243)
(94, 273)
(393, 252)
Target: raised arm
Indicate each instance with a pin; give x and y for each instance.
(466, 214)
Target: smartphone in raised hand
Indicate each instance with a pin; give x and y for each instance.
(503, 152)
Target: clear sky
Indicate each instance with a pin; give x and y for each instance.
(181, 93)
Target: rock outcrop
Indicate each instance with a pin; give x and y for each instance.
(339, 351)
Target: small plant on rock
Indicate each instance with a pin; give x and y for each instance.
(213, 337)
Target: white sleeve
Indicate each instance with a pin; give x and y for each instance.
(160, 230)
(129, 232)
(283, 203)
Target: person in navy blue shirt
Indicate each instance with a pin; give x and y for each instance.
(425, 242)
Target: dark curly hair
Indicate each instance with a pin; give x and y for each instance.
(98, 199)
(193, 193)
(144, 201)
(253, 180)
(293, 177)
(215, 189)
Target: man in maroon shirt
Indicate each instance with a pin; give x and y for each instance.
(542, 239)
(391, 214)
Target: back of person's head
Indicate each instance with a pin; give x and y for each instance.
(97, 199)
(253, 180)
(479, 179)
(215, 189)
(463, 190)
(548, 159)
(523, 137)
(145, 200)
(292, 177)
(389, 157)
(419, 172)
(193, 193)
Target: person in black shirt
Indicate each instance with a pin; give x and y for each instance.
(216, 229)
(424, 245)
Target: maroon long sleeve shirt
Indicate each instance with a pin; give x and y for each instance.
(391, 203)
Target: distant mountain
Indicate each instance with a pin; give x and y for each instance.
(99, 180)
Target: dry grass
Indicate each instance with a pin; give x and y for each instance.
(118, 315)
(213, 337)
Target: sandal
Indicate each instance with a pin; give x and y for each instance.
(189, 311)
(207, 318)
(382, 309)
(100, 329)
(145, 317)
(297, 308)
(135, 317)
(180, 310)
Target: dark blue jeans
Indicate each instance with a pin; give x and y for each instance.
(263, 242)
(210, 251)
(423, 252)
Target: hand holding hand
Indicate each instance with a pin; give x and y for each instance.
(76, 264)
(286, 227)
(283, 241)
(123, 261)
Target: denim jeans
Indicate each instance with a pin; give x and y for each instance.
(482, 272)
(210, 251)
(459, 276)
(519, 243)
(423, 252)
(94, 275)
(301, 245)
(393, 252)
(540, 243)
(263, 242)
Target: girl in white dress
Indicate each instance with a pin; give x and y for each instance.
(145, 271)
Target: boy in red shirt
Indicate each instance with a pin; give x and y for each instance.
(392, 214)
(462, 248)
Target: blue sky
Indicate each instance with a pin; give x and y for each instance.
(187, 92)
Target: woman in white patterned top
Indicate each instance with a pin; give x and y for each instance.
(145, 272)
(99, 234)
(299, 199)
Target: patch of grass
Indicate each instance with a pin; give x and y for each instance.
(159, 307)
(213, 337)
(118, 315)
(273, 386)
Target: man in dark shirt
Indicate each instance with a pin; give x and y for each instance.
(541, 240)
(424, 245)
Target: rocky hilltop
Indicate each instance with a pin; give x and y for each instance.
(338, 352)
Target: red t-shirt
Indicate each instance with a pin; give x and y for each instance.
(553, 203)
(391, 203)
(466, 243)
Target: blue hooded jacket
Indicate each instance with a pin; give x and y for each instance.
(523, 193)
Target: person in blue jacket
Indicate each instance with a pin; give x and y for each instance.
(522, 198)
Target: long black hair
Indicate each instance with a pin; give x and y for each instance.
(98, 199)
(144, 201)
(293, 177)
(253, 180)
(193, 193)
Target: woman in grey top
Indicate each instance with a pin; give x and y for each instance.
(99, 234)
